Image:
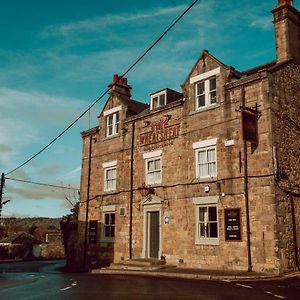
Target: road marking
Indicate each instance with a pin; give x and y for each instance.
(278, 296)
(226, 280)
(245, 286)
(74, 283)
(266, 292)
(66, 288)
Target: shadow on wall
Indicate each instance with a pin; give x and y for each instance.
(98, 254)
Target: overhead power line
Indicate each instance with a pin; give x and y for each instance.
(43, 184)
(103, 94)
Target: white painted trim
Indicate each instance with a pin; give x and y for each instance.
(164, 92)
(229, 143)
(206, 200)
(205, 75)
(112, 110)
(152, 154)
(206, 143)
(108, 208)
(146, 210)
(109, 164)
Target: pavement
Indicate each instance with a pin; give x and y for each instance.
(188, 273)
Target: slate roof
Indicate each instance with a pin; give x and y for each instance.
(20, 238)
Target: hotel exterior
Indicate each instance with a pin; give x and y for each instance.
(207, 177)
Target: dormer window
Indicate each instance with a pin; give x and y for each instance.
(205, 86)
(112, 121)
(158, 100)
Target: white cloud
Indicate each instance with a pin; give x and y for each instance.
(264, 23)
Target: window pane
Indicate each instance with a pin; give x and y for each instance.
(201, 157)
(212, 169)
(155, 102)
(151, 166)
(203, 170)
(213, 230)
(112, 220)
(200, 88)
(110, 120)
(157, 164)
(117, 117)
(202, 213)
(211, 155)
(212, 84)
(106, 231)
(106, 221)
(202, 230)
(213, 97)
(112, 231)
(162, 100)
(212, 213)
(201, 101)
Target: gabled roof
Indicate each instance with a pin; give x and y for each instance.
(20, 238)
(204, 54)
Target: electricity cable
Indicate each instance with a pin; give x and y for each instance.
(107, 90)
(43, 184)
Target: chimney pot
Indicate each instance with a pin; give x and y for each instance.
(290, 2)
(116, 77)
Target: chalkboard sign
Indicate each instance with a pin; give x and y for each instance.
(93, 232)
(232, 224)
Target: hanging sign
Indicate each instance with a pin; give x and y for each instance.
(232, 224)
(249, 125)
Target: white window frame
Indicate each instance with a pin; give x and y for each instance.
(112, 165)
(113, 113)
(205, 202)
(158, 96)
(205, 79)
(201, 146)
(152, 157)
(108, 210)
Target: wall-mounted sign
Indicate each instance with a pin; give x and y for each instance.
(249, 125)
(167, 220)
(232, 224)
(93, 232)
(161, 132)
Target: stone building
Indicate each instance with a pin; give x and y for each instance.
(207, 177)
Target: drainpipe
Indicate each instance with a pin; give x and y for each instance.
(87, 207)
(294, 231)
(131, 189)
(246, 191)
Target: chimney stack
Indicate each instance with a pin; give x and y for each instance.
(287, 31)
(120, 86)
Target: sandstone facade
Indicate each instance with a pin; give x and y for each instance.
(167, 181)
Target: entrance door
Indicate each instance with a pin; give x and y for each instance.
(153, 234)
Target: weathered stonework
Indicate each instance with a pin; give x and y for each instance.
(171, 131)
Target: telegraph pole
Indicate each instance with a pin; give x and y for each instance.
(1, 190)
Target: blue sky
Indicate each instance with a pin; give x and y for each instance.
(58, 56)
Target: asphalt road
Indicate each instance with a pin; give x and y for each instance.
(41, 280)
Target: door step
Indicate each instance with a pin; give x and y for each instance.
(139, 264)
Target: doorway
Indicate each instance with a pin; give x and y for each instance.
(153, 234)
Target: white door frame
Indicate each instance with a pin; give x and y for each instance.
(151, 204)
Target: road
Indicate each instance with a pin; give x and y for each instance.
(42, 280)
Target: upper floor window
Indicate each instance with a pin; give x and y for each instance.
(205, 88)
(110, 176)
(158, 100)
(206, 93)
(153, 167)
(112, 121)
(206, 158)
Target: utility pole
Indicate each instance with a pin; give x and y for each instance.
(1, 190)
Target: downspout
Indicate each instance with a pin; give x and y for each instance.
(246, 191)
(294, 231)
(131, 189)
(87, 207)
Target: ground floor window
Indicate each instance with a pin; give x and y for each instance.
(108, 223)
(207, 231)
